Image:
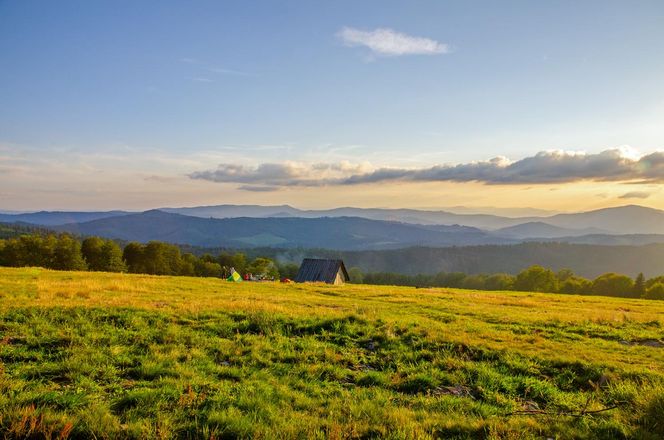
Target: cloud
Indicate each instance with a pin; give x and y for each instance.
(635, 195)
(388, 42)
(160, 179)
(275, 175)
(546, 167)
(266, 174)
(255, 188)
(202, 79)
(224, 71)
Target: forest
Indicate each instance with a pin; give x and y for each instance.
(532, 279)
(68, 252)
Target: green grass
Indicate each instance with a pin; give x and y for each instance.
(95, 355)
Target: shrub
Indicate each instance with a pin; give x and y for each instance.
(656, 291)
(536, 279)
(612, 284)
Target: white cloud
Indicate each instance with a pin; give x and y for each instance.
(388, 42)
(232, 72)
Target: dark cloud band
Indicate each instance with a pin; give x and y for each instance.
(546, 167)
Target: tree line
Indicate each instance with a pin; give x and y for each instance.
(533, 279)
(67, 252)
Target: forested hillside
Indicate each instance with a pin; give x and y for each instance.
(585, 260)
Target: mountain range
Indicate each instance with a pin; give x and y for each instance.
(544, 230)
(325, 232)
(241, 226)
(54, 218)
(629, 219)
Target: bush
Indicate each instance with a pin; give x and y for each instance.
(656, 291)
(536, 279)
(576, 285)
(263, 267)
(612, 284)
(499, 281)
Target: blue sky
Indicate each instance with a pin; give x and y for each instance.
(96, 91)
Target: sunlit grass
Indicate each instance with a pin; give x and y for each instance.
(120, 355)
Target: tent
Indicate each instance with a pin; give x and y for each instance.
(234, 277)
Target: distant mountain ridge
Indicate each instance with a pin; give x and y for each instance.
(326, 232)
(482, 221)
(544, 230)
(54, 218)
(630, 219)
(635, 225)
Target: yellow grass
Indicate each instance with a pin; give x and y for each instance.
(512, 321)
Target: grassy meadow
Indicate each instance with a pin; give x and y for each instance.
(100, 355)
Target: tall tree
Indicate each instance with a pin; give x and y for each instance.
(564, 275)
(188, 265)
(133, 255)
(239, 262)
(111, 257)
(91, 250)
(639, 290)
(205, 268)
(161, 258)
(67, 254)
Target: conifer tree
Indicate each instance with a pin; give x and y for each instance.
(639, 286)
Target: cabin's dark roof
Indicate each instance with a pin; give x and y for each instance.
(318, 270)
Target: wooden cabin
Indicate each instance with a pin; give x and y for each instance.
(314, 270)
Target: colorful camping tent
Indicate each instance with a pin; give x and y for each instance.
(235, 277)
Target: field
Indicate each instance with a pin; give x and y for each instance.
(97, 355)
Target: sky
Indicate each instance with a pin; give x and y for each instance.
(421, 104)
